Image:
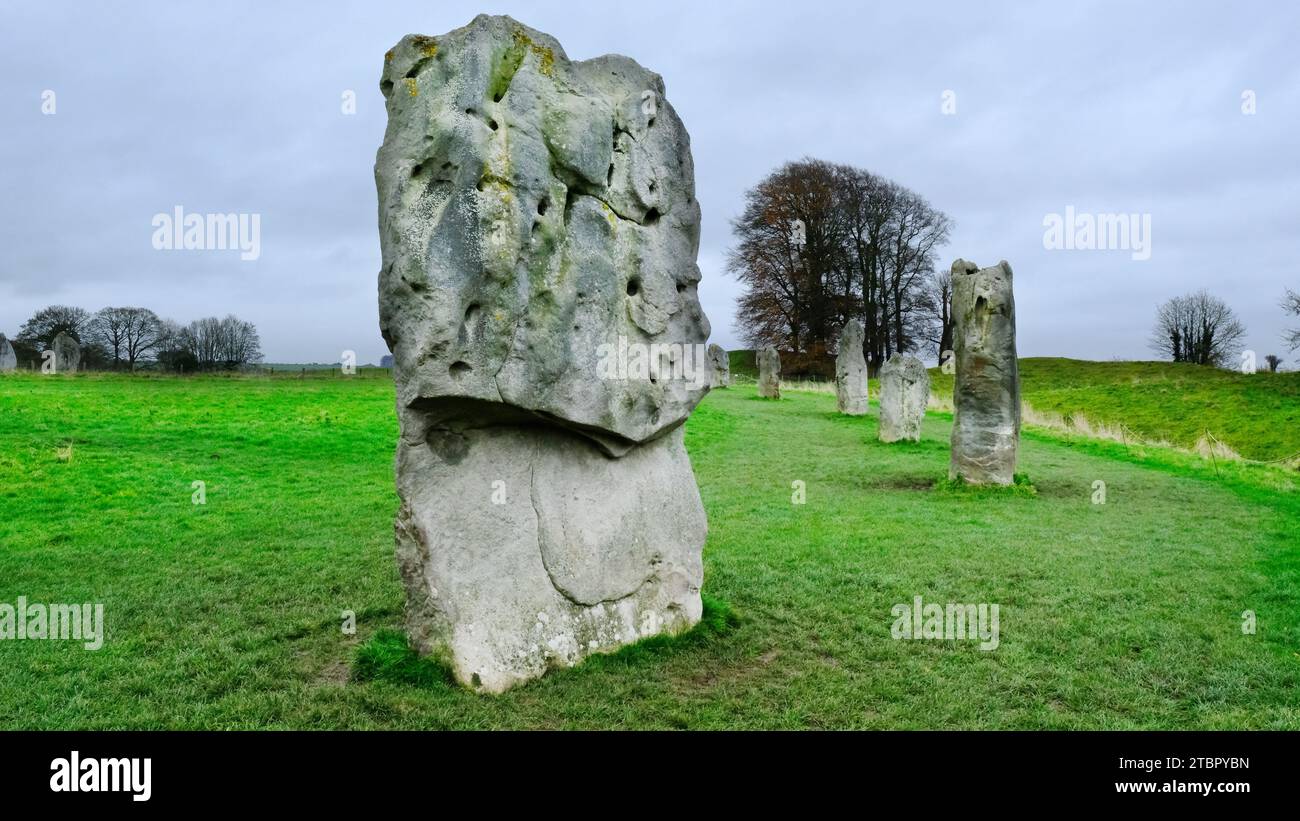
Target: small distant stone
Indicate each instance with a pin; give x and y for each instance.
(8, 359)
(769, 373)
(719, 367)
(851, 371)
(904, 394)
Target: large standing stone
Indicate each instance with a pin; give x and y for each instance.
(539, 230)
(986, 390)
(769, 373)
(8, 359)
(67, 353)
(719, 367)
(904, 394)
(851, 371)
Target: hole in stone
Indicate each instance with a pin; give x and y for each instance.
(416, 169)
(447, 165)
(651, 217)
(609, 178)
(476, 680)
(496, 98)
(492, 124)
(470, 111)
(652, 185)
(471, 313)
(681, 287)
(649, 122)
(543, 205)
(459, 369)
(633, 286)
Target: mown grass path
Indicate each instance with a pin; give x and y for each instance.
(227, 614)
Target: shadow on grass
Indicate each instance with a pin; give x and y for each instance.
(388, 656)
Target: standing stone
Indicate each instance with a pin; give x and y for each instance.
(8, 359)
(769, 373)
(719, 367)
(986, 390)
(67, 353)
(539, 231)
(851, 371)
(904, 394)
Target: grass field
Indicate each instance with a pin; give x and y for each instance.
(1257, 415)
(227, 615)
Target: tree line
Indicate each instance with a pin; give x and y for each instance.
(819, 243)
(133, 338)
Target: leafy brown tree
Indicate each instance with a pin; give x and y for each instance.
(868, 253)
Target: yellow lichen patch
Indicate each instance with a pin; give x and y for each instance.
(388, 56)
(545, 56)
(412, 87)
(427, 45)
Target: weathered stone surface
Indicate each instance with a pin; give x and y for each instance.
(719, 367)
(986, 391)
(532, 210)
(8, 359)
(538, 217)
(851, 371)
(769, 373)
(67, 353)
(904, 394)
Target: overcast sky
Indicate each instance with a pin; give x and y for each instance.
(236, 107)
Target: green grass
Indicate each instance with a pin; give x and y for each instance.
(228, 615)
(1258, 414)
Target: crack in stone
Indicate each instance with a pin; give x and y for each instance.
(537, 515)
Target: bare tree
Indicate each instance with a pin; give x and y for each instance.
(1198, 328)
(220, 344)
(1291, 304)
(129, 334)
(1273, 361)
(937, 307)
